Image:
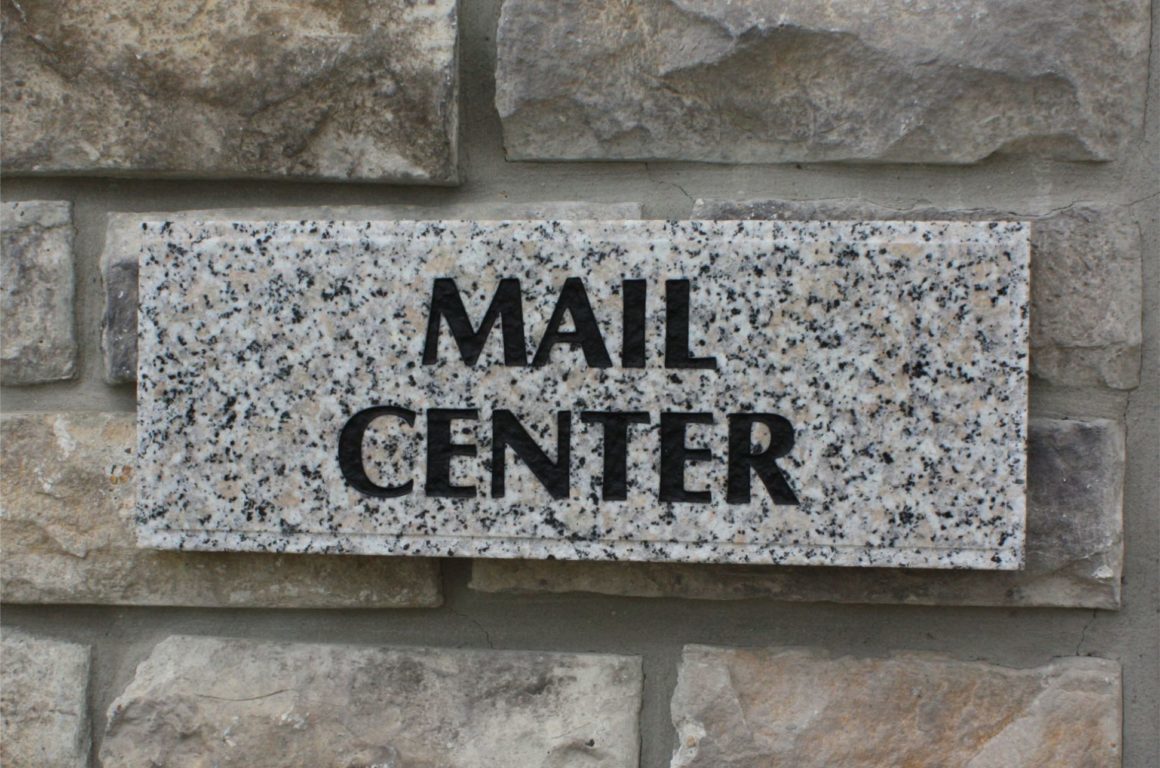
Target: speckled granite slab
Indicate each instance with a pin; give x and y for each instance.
(843, 393)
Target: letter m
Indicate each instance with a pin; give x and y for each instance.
(507, 306)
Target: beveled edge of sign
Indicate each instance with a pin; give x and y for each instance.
(188, 539)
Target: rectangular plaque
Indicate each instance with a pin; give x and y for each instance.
(841, 393)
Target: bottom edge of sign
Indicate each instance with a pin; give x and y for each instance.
(956, 558)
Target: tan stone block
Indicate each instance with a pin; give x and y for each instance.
(44, 716)
(769, 81)
(250, 88)
(755, 707)
(37, 287)
(66, 519)
(252, 704)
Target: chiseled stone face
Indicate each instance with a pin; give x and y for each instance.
(119, 323)
(119, 258)
(66, 488)
(251, 704)
(801, 80)
(1075, 480)
(36, 292)
(1086, 297)
(745, 708)
(44, 716)
(887, 359)
(254, 88)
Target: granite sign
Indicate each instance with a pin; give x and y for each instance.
(849, 393)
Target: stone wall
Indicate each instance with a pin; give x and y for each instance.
(113, 655)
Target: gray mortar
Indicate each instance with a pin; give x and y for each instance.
(656, 628)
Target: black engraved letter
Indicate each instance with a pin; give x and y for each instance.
(574, 300)
(440, 449)
(677, 329)
(742, 457)
(675, 455)
(635, 295)
(350, 454)
(615, 424)
(507, 431)
(507, 305)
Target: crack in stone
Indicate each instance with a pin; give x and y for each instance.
(250, 698)
(1083, 633)
(478, 625)
(649, 173)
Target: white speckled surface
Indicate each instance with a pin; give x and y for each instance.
(897, 350)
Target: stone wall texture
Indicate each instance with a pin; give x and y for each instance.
(44, 716)
(222, 702)
(113, 112)
(36, 292)
(744, 707)
(261, 88)
(66, 520)
(1074, 548)
(797, 80)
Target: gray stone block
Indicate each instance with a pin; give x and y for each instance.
(798, 80)
(67, 496)
(1074, 548)
(756, 707)
(44, 716)
(119, 258)
(225, 702)
(119, 324)
(255, 88)
(36, 292)
(1086, 279)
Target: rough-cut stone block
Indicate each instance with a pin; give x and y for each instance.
(1087, 298)
(36, 292)
(224, 702)
(1086, 279)
(66, 520)
(44, 716)
(793, 707)
(1074, 548)
(800, 80)
(254, 88)
(119, 324)
(119, 258)
(888, 362)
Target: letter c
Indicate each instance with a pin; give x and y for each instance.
(350, 456)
